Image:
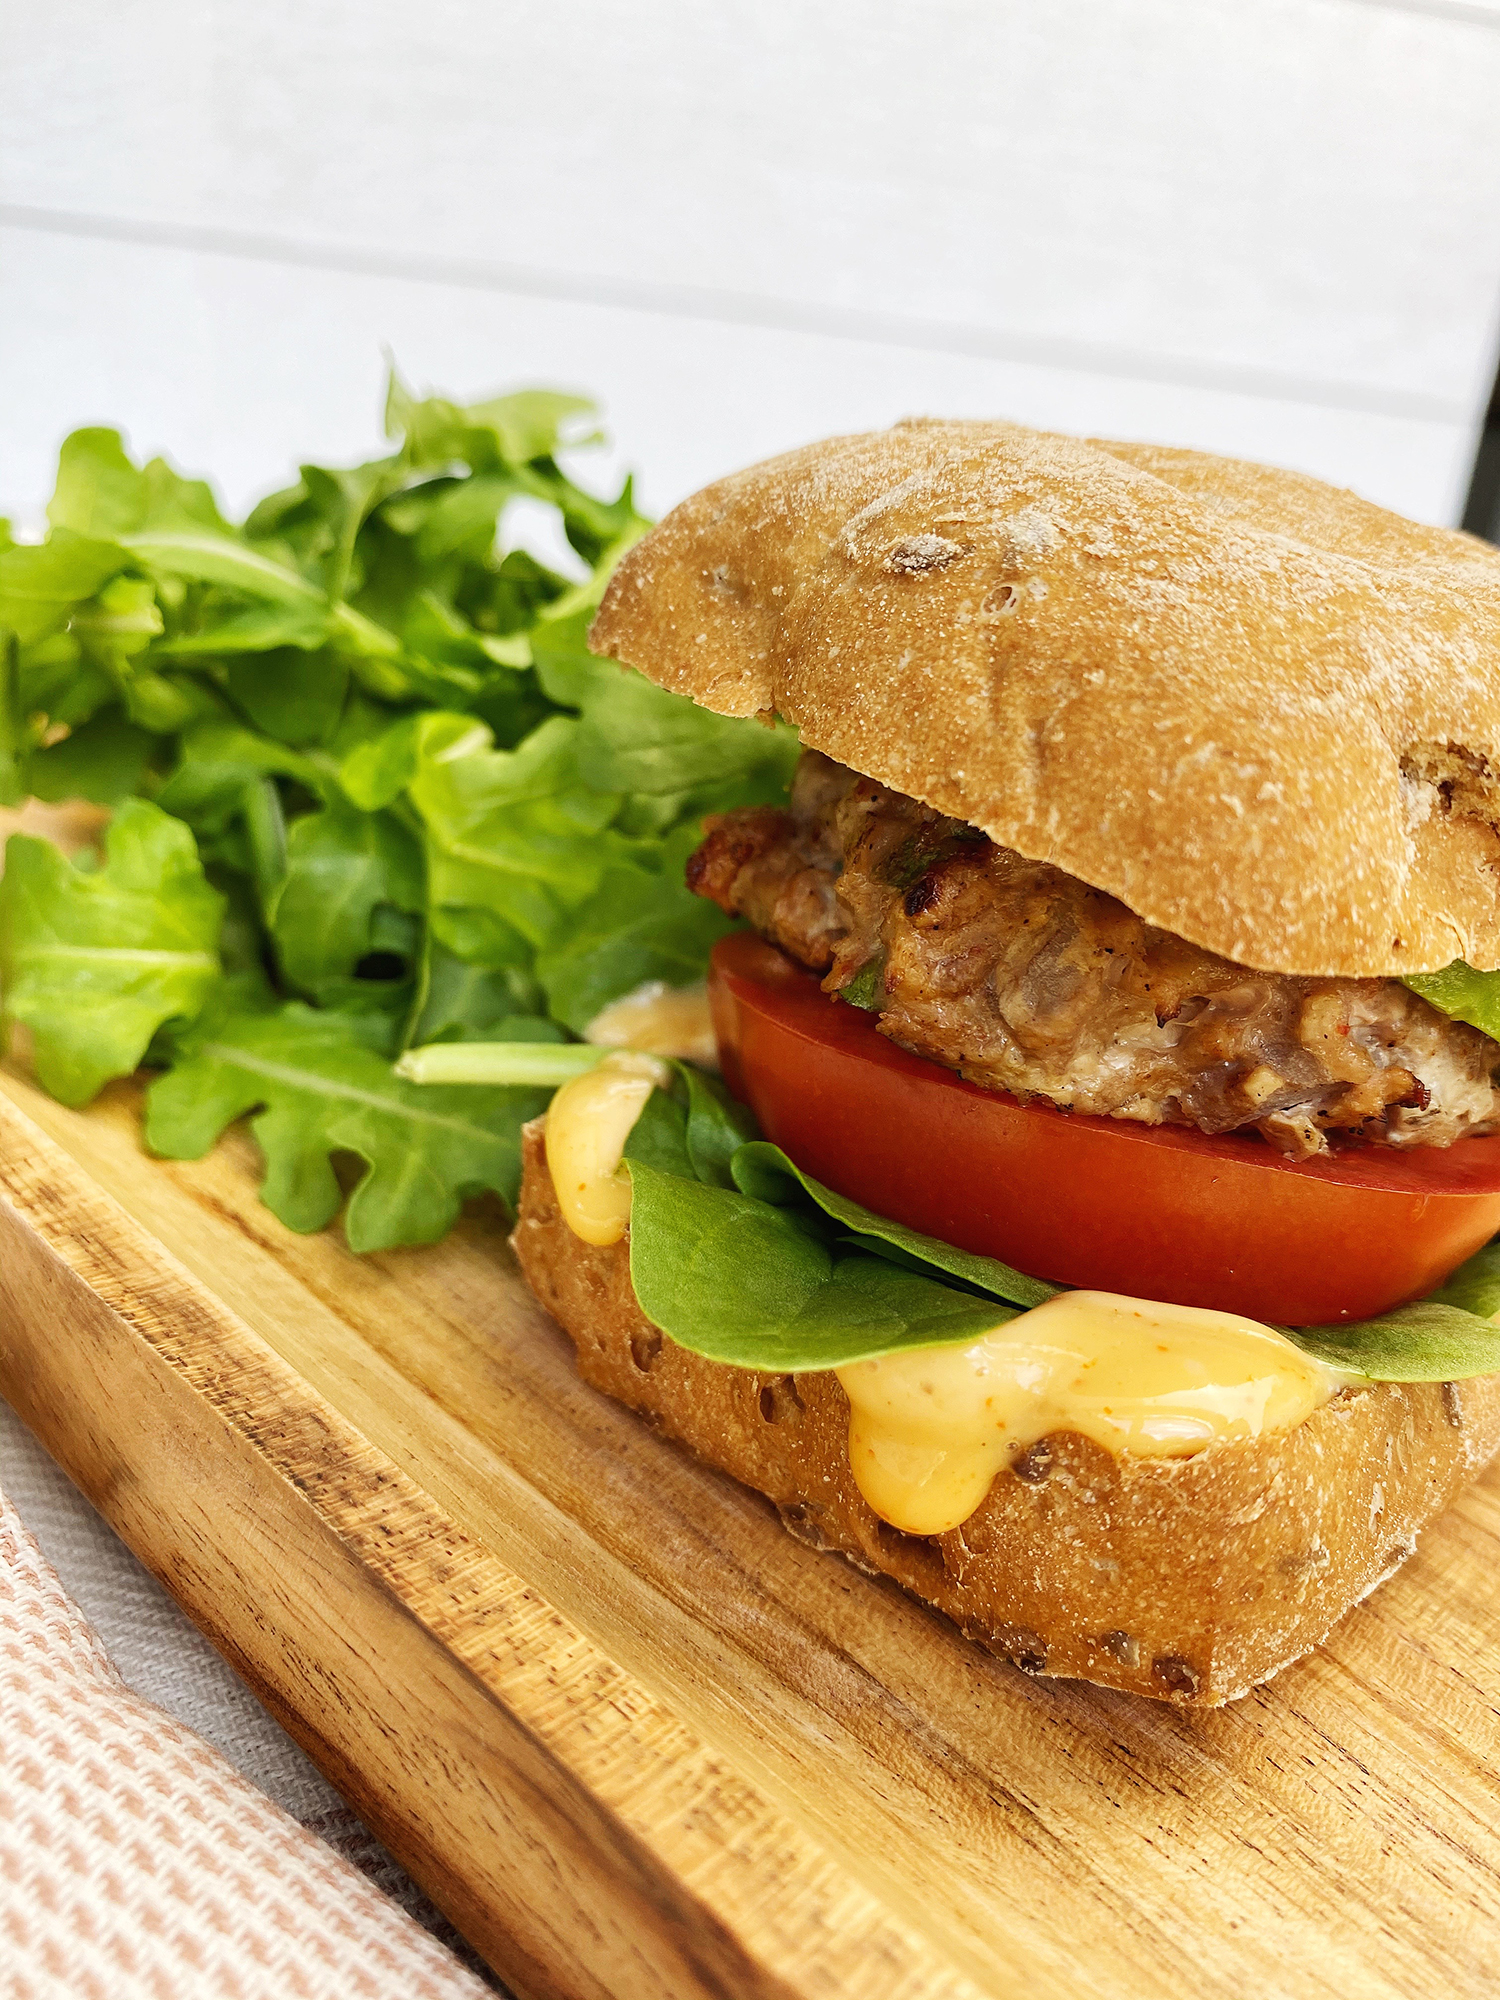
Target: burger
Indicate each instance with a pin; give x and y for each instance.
(1090, 1228)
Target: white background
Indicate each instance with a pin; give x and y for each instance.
(1269, 227)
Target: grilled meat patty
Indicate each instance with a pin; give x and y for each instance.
(1026, 980)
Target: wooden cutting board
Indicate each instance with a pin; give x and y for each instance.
(637, 1741)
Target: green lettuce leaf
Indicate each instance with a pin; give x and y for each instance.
(320, 1084)
(94, 963)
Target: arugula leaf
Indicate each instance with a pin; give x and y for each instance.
(428, 810)
(640, 923)
(341, 867)
(321, 1084)
(297, 698)
(1457, 991)
(40, 582)
(103, 760)
(505, 431)
(15, 733)
(94, 963)
(172, 498)
(515, 840)
(260, 629)
(99, 492)
(468, 1003)
(636, 737)
(119, 623)
(218, 760)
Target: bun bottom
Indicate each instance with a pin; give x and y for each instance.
(1189, 1580)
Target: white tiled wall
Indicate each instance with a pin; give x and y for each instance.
(1264, 226)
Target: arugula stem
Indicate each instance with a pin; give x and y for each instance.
(535, 1063)
(421, 990)
(13, 745)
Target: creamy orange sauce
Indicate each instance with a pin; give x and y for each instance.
(930, 1427)
(588, 1122)
(662, 1020)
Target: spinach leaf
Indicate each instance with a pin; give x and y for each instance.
(739, 1256)
(705, 1238)
(743, 1281)
(718, 1128)
(1475, 1285)
(1430, 1341)
(658, 1139)
(765, 1171)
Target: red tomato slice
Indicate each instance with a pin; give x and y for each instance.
(1157, 1211)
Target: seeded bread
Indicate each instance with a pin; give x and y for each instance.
(1190, 1580)
(1262, 713)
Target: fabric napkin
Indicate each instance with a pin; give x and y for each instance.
(137, 1864)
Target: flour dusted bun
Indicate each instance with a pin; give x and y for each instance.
(1261, 712)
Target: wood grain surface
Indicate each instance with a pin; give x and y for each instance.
(635, 1739)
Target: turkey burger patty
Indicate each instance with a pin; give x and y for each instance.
(1024, 979)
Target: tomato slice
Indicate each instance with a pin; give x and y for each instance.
(1157, 1211)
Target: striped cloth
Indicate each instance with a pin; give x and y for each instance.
(137, 1864)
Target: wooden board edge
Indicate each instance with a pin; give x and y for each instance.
(568, 1890)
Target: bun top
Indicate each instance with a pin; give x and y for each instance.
(1259, 711)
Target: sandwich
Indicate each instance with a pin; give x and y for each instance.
(1090, 1228)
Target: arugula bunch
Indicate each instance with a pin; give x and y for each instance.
(370, 789)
